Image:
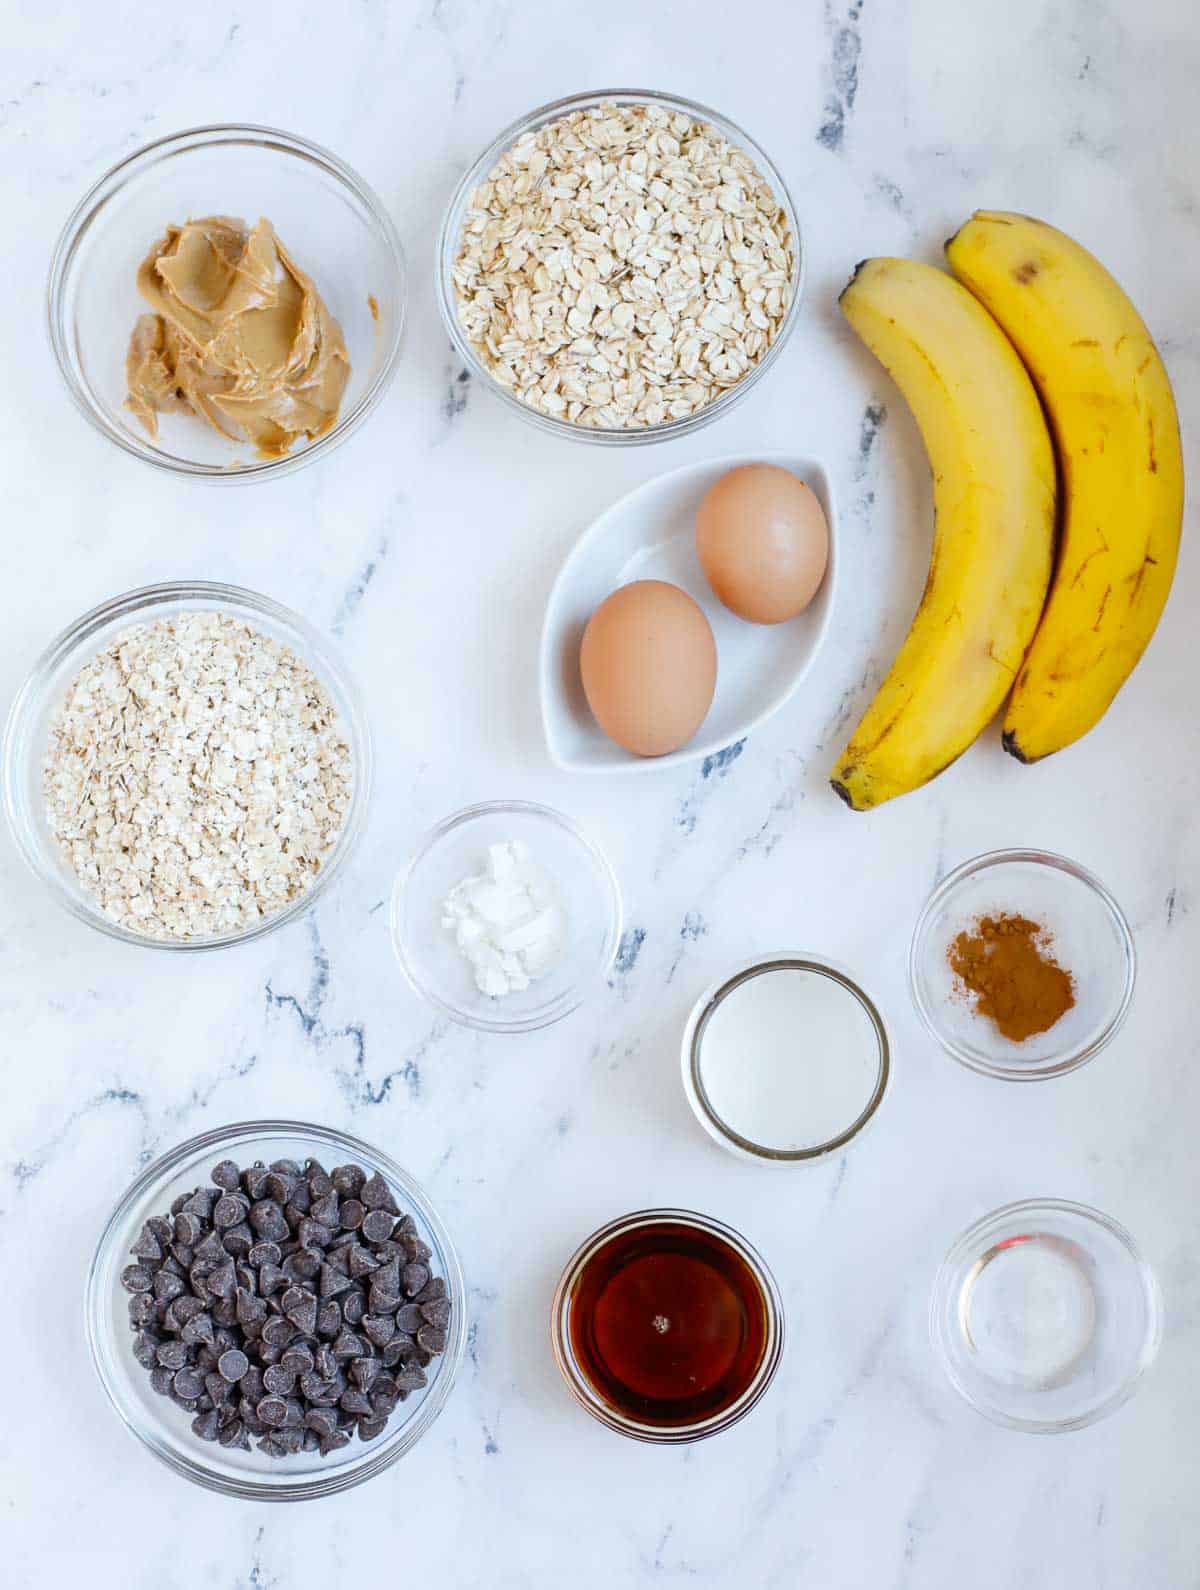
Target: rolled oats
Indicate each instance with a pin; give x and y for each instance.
(623, 266)
(197, 776)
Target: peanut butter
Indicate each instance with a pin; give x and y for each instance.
(239, 336)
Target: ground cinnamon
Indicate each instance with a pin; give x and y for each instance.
(1005, 962)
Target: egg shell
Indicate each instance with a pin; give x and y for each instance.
(649, 666)
(763, 542)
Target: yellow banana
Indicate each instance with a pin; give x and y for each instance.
(994, 498)
(1117, 435)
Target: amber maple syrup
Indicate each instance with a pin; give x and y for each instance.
(669, 1323)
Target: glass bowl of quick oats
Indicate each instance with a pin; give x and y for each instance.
(187, 766)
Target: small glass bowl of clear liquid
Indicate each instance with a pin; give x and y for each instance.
(1045, 1315)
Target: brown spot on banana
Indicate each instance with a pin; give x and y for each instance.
(1136, 579)
(1025, 272)
(1103, 547)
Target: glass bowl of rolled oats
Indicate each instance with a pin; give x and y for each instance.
(620, 267)
(187, 767)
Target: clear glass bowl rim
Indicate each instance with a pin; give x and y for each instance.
(577, 1381)
(963, 1244)
(693, 1038)
(140, 605)
(220, 1140)
(449, 232)
(1076, 1058)
(127, 170)
(575, 996)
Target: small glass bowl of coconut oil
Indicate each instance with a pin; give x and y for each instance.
(785, 1060)
(1045, 1315)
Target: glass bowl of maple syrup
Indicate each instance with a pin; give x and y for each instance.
(667, 1326)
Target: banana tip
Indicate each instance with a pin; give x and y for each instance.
(841, 790)
(853, 278)
(1009, 742)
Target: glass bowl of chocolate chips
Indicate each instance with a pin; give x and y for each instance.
(276, 1310)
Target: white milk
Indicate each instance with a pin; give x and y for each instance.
(789, 1058)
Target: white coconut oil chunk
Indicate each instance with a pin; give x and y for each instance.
(507, 921)
(789, 1059)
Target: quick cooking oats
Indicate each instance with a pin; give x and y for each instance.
(623, 266)
(197, 776)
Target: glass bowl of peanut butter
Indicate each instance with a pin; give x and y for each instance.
(227, 303)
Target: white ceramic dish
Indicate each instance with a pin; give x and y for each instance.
(648, 535)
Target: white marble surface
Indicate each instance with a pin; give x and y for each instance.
(429, 543)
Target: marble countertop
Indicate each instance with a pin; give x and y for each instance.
(890, 123)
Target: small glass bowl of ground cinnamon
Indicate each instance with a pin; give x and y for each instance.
(1022, 965)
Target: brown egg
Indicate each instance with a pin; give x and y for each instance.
(763, 542)
(649, 665)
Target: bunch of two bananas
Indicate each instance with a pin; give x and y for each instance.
(1045, 583)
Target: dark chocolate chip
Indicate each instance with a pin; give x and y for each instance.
(228, 1211)
(351, 1214)
(437, 1312)
(415, 1277)
(313, 1233)
(410, 1318)
(376, 1194)
(147, 1247)
(266, 1219)
(332, 1282)
(379, 1328)
(363, 1372)
(271, 1277)
(348, 1179)
(278, 1186)
(298, 1358)
(273, 1411)
(377, 1226)
(362, 1262)
(280, 1382)
(279, 1331)
(226, 1176)
(238, 1240)
(145, 1350)
(172, 1355)
(301, 1308)
(198, 1330)
(321, 1420)
(188, 1384)
(233, 1365)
